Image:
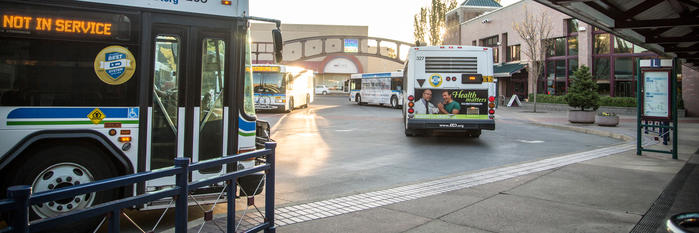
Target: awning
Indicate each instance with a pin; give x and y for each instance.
(664, 27)
(507, 69)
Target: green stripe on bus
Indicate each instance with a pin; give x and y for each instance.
(447, 117)
(65, 122)
(246, 134)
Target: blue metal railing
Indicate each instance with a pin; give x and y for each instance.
(20, 197)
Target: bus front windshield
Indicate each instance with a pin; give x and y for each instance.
(268, 83)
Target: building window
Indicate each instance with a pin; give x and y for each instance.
(513, 53)
(614, 61)
(572, 45)
(572, 25)
(601, 45)
(473, 43)
(492, 42)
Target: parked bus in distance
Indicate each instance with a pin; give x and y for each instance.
(377, 88)
(282, 88)
(449, 88)
(130, 86)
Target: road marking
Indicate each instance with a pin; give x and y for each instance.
(347, 204)
(527, 141)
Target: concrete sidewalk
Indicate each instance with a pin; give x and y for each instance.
(604, 190)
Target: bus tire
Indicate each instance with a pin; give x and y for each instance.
(474, 133)
(394, 101)
(49, 168)
(325, 92)
(358, 99)
(308, 101)
(410, 133)
(291, 105)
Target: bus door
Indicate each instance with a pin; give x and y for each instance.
(187, 115)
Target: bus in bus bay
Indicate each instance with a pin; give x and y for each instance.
(377, 88)
(282, 88)
(449, 88)
(93, 89)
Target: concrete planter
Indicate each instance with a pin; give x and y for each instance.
(578, 116)
(608, 120)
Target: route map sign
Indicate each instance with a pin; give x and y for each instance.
(656, 95)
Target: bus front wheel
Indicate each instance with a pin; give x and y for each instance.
(51, 168)
(394, 101)
(358, 99)
(291, 105)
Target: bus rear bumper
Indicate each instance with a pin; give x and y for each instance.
(451, 124)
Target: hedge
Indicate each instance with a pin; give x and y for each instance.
(604, 100)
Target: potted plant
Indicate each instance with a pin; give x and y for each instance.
(582, 94)
(607, 119)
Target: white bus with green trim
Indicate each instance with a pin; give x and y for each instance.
(377, 88)
(93, 89)
(449, 88)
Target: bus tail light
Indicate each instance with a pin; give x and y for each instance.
(410, 110)
(411, 104)
(411, 98)
(226, 2)
(491, 105)
(124, 139)
(491, 99)
(491, 111)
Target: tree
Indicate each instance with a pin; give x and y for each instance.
(420, 26)
(432, 21)
(583, 90)
(535, 31)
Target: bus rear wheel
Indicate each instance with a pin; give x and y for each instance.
(57, 167)
(291, 105)
(308, 101)
(474, 133)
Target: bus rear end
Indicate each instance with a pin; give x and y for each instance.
(449, 88)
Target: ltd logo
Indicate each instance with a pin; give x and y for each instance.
(435, 80)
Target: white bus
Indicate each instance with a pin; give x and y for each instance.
(449, 88)
(93, 89)
(282, 88)
(377, 88)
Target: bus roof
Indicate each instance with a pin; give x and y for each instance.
(233, 8)
(377, 75)
(277, 68)
(452, 47)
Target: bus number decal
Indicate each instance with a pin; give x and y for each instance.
(420, 58)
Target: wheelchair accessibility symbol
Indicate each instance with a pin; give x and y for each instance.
(133, 113)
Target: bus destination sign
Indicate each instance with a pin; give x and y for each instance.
(35, 23)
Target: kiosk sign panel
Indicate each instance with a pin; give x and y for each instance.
(656, 95)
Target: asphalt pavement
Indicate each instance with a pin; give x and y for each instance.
(608, 189)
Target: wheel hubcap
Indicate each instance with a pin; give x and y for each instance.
(59, 176)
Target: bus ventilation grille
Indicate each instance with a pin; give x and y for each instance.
(462, 65)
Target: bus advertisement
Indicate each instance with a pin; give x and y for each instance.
(449, 88)
(377, 88)
(95, 89)
(282, 88)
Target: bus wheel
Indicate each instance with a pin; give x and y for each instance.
(325, 92)
(410, 133)
(291, 105)
(358, 99)
(308, 101)
(474, 133)
(394, 101)
(58, 167)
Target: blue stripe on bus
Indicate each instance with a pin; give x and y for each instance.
(246, 125)
(258, 94)
(375, 75)
(44, 113)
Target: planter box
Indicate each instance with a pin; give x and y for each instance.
(607, 120)
(578, 116)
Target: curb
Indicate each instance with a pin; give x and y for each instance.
(585, 131)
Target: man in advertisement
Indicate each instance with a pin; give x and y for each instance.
(448, 105)
(424, 106)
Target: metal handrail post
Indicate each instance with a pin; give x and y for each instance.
(181, 181)
(20, 219)
(230, 198)
(114, 220)
(269, 192)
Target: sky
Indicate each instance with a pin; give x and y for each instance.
(392, 19)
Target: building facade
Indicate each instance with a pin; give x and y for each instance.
(333, 70)
(612, 59)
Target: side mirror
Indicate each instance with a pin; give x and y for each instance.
(277, 38)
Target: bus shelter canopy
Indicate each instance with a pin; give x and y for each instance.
(666, 27)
